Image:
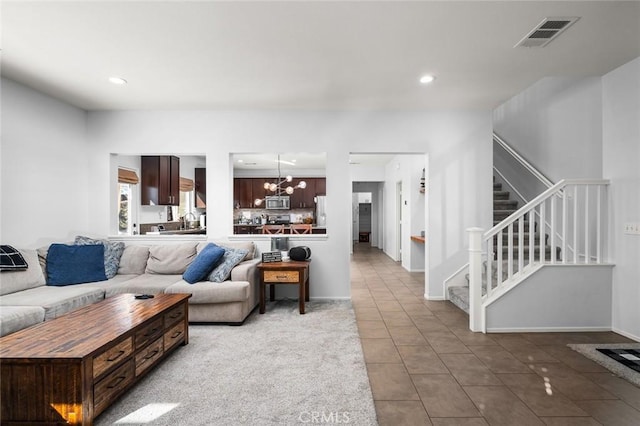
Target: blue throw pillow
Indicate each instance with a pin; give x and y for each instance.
(71, 264)
(203, 264)
(230, 259)
(112, 253)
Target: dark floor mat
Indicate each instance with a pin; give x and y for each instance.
(628, 357)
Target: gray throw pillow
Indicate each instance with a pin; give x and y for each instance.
(230, 259)
(112, 253)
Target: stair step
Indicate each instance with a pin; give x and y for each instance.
(497, 186)
(516, 238)
(500, 195)
(515, 226)
(504, 204)
(536, 253)
(502, 214)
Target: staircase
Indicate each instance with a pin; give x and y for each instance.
(503, 207)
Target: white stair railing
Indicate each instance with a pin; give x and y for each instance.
(563, 225)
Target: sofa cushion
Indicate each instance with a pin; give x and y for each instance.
(55, 300)
(143, 284)
(231, 258)
(112, 253)
(71, 264)
(203, 264)
(12, 281)
(206, 292)
(246, 245)
(170, 259)
(14, 318)
(134, 260)
(11, 259)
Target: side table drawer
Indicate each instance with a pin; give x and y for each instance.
(281, 276)
(105, 389)
(112, 356)
(174, 315)
(148, 356)
(173, 336)
(149, 333)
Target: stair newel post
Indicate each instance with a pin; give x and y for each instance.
(475, 279)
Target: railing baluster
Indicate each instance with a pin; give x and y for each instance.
(489, 265)
(532, 235)
(553, 230)
(565, 207)
(543, 240)
(520, 244)
(599, 226)
(575, 224)
(510, 252)
(499, 261)
(586, 224)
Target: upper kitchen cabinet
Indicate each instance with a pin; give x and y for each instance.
(160, 183)
(200, 182)
(321, 186)
(243, 193)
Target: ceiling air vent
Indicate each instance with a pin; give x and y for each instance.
(546, 31)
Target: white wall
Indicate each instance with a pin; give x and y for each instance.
(556, 125)
(49, 146)
(460, 142)
(621, 140)
(44, 168)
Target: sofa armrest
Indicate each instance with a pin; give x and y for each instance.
(245, 271)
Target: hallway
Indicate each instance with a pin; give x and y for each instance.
(426, 367)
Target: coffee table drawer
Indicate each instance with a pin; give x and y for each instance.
(174, 315)
(112, 356)
(281, 276)
(174, 336)
(105, 389)
(149, 333)
(148, 356)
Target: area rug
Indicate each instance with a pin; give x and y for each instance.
(616, 367)
(280, 368)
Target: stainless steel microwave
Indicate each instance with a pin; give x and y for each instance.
(278, 202)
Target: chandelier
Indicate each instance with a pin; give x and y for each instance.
(277, 187)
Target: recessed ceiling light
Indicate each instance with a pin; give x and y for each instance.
(426, 79)
(117, 80)
(241, 161)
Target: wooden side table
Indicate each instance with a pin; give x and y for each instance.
(292, 272)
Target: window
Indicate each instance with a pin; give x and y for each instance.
(126, 202)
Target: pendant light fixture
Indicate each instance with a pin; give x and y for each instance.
(276, 187)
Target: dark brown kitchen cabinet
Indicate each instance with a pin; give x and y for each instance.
(200, 184)
(321, 186)
(304, 198)
(243, 193)
(258, 191)
(160, 181)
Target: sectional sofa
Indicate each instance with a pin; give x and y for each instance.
(26, 299)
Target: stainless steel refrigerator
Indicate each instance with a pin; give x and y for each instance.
(321, 215)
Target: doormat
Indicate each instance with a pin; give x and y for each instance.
(593, 352)
(628, 357)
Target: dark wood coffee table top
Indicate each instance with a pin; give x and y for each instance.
(86, 330)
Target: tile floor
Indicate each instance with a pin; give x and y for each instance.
(426, 367)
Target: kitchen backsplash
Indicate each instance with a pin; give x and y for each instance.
(250, 215)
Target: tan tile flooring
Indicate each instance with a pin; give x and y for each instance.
(425, 366)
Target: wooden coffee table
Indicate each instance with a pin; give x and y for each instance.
(69, 369)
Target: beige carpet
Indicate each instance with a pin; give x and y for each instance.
(280, 368)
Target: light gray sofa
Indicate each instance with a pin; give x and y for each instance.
(25, 299)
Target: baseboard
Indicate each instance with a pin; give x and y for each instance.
(546, 329)
(625, 334)
(427, 297)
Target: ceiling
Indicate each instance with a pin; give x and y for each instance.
(303, 54)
